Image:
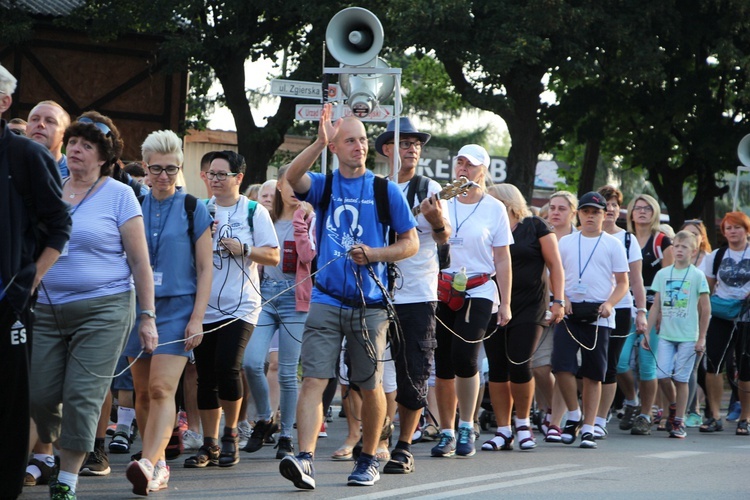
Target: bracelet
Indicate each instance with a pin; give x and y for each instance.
(641, 310)
(440, 229)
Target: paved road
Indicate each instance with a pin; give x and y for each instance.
(703, 466)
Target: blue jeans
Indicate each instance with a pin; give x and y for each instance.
(278, 314)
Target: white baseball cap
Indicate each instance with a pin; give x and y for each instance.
(476, 154)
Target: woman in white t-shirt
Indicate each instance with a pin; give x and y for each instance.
(731, 283)
(233, 308)
(480, 247)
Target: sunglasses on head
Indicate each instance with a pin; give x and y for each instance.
(102, 127)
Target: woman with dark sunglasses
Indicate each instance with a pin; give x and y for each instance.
(86, 303)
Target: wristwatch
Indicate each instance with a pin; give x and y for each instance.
(246, 250)
(440, 229)
(559, 301)
(149, 312)
(641, 310)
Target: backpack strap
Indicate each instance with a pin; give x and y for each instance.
(325, 200)
(381, 200)
(658, 253)
(718, 258)
(251, 206)
(412, 189)
(627, 244)
(190, 203)
(424, 184)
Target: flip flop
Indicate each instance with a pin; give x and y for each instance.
(382, 454)
(344, 453)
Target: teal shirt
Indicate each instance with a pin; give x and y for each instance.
(679, 291)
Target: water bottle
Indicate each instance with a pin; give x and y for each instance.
(459, 280)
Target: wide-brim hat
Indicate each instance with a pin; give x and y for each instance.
(406, 127)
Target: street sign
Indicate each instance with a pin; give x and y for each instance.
(312, 112)
(303, 90)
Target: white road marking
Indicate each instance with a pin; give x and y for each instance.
(518, 482)
(670, 455)
(401, 492)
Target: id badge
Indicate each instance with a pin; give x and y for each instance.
(158, 278)
(64, 252)
(456, 242)
(579, 288)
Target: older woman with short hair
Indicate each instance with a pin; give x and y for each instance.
(180, 251)
(86, 304)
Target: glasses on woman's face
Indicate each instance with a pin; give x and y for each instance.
(220, 176)
(169, 169)
(643, 208)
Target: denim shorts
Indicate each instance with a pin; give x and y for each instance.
(675, 360)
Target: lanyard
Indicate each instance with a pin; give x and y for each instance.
(154, 247)
(687, 271)
(455, 214)
(581, 270)
(75, 209)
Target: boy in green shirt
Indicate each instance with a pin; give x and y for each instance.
(682, 310)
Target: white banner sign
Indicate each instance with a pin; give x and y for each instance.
(312, 112)
(303, 90)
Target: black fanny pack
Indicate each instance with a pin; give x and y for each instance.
(584, 312)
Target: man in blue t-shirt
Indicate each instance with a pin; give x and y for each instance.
(348, 299)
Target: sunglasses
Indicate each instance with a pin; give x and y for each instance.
(102, 127)
(694, 221)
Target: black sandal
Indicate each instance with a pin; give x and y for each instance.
(742, 428)
(230, 454)
(712, 425)
(491, 445)
(206, 456)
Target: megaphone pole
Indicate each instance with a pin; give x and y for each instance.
(396, 130)
(324, 93)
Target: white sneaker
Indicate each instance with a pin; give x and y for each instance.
(244, 432)
(192, 440)
(140, 474)
(160, 480)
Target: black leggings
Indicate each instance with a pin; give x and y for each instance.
(218, 361)
(453, 356)
(723, 337)
(509, 351)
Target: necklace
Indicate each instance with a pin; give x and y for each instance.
(73, 195)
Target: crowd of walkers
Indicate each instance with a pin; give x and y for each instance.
(197, 314)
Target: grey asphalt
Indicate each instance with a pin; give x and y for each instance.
(702, 466)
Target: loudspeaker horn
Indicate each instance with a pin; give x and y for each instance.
(354, 36)
(365, 91)
(743, 150)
